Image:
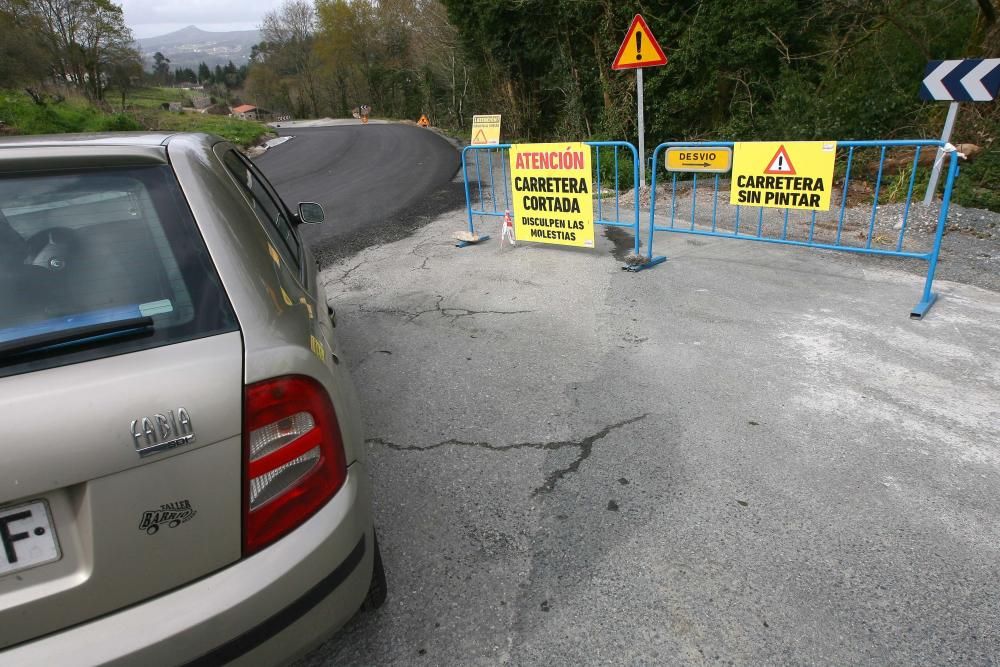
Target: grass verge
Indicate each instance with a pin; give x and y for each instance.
(21, 115)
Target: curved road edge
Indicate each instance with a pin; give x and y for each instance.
(377, 182)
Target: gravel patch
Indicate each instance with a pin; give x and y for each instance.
(970, 248)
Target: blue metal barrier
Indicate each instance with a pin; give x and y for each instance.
(770, 225)
(491, 163)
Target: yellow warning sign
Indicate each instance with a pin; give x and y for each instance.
(640, 48)
(423, 122)
(695, 158)
(553, 193)
(789, 174)
(485, 130)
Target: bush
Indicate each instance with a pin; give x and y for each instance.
(118, 123)
(20, 112)
(76, 115)
(603, 158)
(976, 183)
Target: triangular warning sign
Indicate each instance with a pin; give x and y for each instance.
(480, 138)
(640, 48)
(423, 122)
(780, 164)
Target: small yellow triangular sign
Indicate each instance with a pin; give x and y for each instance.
(640, 48)
(423, 122)
(485, 129)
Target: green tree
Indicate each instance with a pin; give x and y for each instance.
(23, 61)
(185, 75)
(102, 33)
(266, 88)
(288, 33)
(340, 48)
(161, 68)
(125, 70)
(77, 35)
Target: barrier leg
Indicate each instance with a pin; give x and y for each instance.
(929, 297)
(468, 193)
(466, 244)
(635, 268)
(651, 261)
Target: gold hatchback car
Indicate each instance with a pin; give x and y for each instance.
(184, 477)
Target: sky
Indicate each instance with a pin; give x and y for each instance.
(150, 18)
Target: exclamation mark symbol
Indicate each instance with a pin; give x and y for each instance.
(638, 45)
(781, 163)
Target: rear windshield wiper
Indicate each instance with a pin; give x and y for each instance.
(55, 340)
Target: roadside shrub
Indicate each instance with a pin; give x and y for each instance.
(976, 184)
(118, 123)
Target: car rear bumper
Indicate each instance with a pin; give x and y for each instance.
(261, 610)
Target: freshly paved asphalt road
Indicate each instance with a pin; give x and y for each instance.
(376, 182)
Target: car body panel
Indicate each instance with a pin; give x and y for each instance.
(26, 159)
(200, 593)
(266, 296)
(88, 463)
(58, 143)
(87, 439)
(175, 628)
(109, 560)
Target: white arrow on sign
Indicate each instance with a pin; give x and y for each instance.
(973, 80)
(934, 80)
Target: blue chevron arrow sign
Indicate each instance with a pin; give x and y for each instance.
(961, 80)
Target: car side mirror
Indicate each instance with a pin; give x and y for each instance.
(311, 213)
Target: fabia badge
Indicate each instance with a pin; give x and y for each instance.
(171, 514)
(160, 432)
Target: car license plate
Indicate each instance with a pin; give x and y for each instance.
(27, 538)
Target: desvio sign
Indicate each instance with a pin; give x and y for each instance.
(710, 160)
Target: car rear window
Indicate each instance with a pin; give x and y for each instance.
(95, 247)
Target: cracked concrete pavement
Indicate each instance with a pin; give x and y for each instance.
(748, 455)
(586, 447)
(452, 313)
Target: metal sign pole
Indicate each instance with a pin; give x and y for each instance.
(638, 41)
(642, 130)
(949, 125)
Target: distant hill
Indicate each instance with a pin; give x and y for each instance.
(189, 46)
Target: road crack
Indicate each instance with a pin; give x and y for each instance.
(452, 313)
(417, 252)
(343, 278)
(586, 447)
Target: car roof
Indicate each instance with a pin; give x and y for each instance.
(143, 139)
(108, 149)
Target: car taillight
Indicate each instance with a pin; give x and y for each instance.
(293, 457)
